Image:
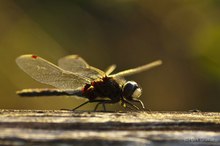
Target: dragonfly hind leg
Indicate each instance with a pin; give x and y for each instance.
(80, 105)
(103, 102)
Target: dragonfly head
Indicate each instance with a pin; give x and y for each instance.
(131, 90)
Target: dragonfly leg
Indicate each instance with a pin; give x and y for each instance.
(132, 105)
(103, 102)
(80, 105)
(103, 105)
(139, 101)
(129, 107)
(97, 106)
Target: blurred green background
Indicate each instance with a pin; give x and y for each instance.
(184, 34)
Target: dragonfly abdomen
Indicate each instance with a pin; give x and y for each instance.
(48, 92)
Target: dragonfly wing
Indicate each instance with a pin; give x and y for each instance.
(45, 72)
(71, 62)
(137, 69)
(110, 69)
(77, 65)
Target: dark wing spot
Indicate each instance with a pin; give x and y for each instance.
(34, 56)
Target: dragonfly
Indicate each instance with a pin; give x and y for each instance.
(75, 77)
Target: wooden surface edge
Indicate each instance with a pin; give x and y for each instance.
(47, 127)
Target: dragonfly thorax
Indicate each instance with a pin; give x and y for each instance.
(105, 87)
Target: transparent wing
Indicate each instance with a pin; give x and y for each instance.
(72, 63)
(137, 69)
(110, 69)
(45, 72)
(77, 65)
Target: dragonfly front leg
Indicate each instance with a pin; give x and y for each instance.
(139, 101)
(129, 105)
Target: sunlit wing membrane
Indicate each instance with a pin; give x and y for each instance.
(110, 69)
(137, 69)
(71, 61)
(77, 65)
(45, 72)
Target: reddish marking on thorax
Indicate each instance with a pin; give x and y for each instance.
(88, 88)
(84, 89)
(34, 56)
(93, 83)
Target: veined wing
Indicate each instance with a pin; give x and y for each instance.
(72, 61)
(137, 69)
(77, 65)
(45, 72)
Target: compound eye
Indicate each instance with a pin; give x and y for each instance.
(137, 93)
(131, 90)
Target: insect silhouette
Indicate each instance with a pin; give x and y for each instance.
(74, 77)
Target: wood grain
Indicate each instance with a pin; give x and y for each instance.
(59, 127)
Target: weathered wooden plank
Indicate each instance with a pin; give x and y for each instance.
(47, 127)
